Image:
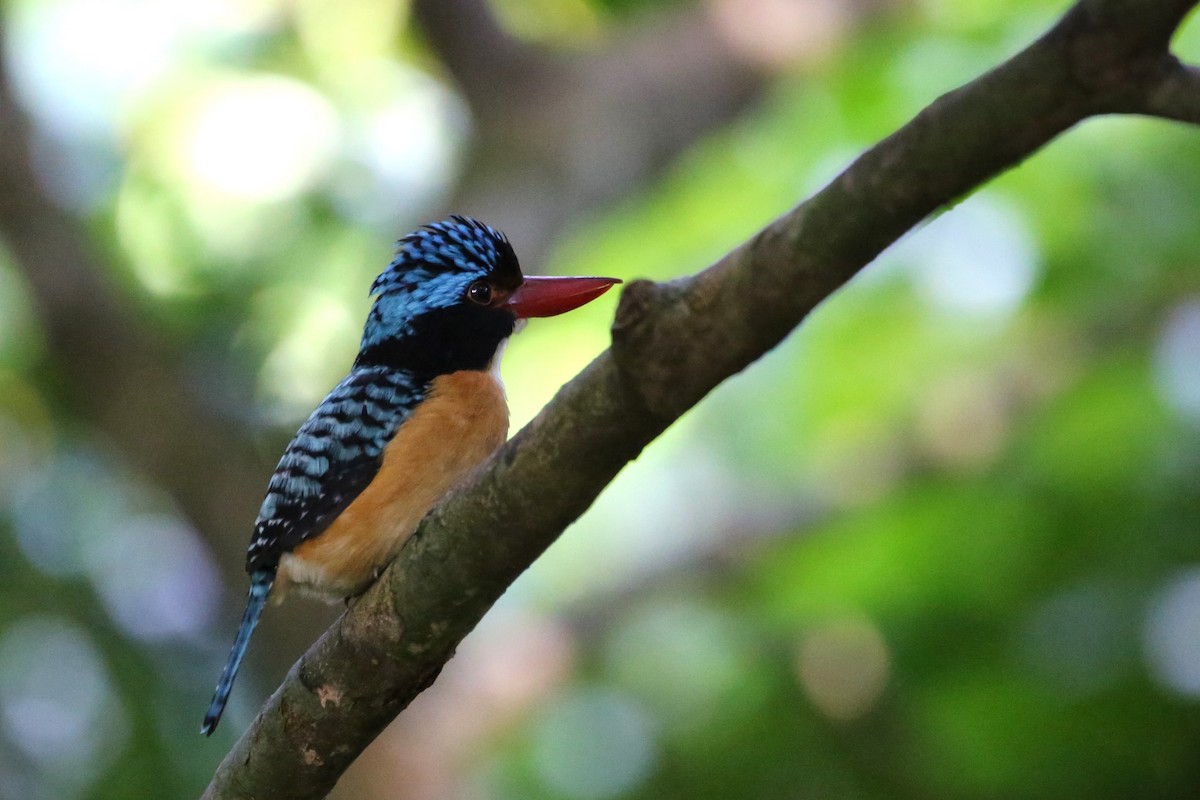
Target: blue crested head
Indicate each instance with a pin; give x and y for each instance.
(434, 309)
(435, 260)
(433, 269)
(452, 294)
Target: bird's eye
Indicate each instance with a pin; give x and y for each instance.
(480, 292)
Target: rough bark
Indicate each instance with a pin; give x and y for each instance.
(672, 343)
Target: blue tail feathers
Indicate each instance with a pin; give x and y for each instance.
(260, 587)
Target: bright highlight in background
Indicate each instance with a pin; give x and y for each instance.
(261, 139)
(156, 578)
(1177, 362)
(594, 744)
(1173, 634)
(979, 260)
(57, 704)
(844, 667)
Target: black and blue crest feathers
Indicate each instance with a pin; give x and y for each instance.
(421, 319)
(459, 245)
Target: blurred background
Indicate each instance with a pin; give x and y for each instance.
(944, 542)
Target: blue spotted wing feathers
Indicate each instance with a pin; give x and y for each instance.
(333, 457)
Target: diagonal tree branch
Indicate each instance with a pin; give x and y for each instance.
(672, 343)
(1174, 94)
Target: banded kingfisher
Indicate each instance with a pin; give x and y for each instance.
(423, 405)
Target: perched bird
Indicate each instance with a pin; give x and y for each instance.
(422, 406)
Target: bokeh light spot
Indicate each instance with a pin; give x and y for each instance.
(1172, 634)
(296, 374)
(59, 509)
(57, 704)
(697, 659)
(1177, 360)
(962, 420)
(263, 138)
(844, 667)
(978, 260)
(782, 33)
(402, 152)
(69, 72)
(156, 578)
(593, 744)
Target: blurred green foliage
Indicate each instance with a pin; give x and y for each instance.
(942, 543)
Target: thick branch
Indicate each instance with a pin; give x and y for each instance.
(1175, 94)
(672, 343)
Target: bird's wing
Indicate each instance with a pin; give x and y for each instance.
(333, 457)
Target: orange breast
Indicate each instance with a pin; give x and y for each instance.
(462, 421)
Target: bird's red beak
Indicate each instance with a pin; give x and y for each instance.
(541, 296)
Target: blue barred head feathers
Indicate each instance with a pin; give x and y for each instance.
(422, 294)
(432, 269)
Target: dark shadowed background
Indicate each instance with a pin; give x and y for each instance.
(943, 543)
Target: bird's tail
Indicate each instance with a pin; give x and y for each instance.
(260, 587)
